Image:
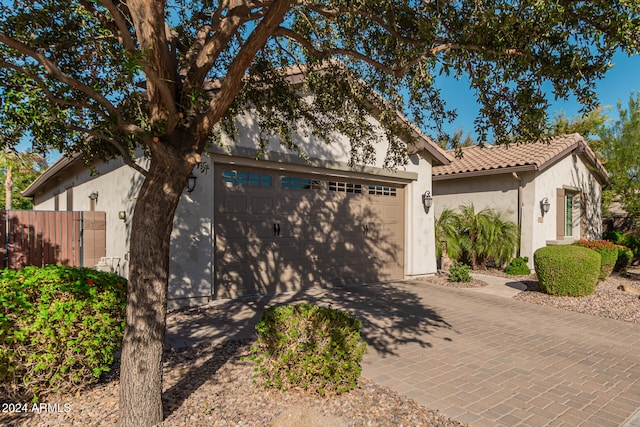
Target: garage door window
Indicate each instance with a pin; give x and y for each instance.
(345, 187)
(300, 183)
(245, 178)
(379, 190)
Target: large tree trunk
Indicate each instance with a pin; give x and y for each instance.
(152, 221)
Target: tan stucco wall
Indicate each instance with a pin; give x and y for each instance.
(498, 192)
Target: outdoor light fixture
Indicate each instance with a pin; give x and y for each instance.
(122, 215)
(544, 205)
(191, 182)
(93, 195)
(427, 200)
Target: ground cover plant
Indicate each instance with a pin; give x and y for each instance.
(608, 254)
(308, 347)
(59, 328)
(518, 266)
(459, 272)
(567, 270)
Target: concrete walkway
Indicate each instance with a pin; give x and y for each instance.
(475, 356)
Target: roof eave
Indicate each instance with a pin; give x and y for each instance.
(484, 172)
(61, 164)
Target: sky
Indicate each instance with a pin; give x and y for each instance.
(617, 84)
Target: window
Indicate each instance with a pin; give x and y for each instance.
(568, 215)
(246, 178)
(345, 187)
(300, 183)
(379, 190)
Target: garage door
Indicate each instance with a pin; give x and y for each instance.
(277, 232)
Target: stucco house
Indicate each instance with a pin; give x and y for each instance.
(552, 190)
(270, 225)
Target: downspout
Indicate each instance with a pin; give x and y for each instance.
(515, 175)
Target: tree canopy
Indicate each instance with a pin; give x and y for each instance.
(104, 77)
(620, 148)
(17, 171)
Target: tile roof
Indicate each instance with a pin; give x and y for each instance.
(494, 159)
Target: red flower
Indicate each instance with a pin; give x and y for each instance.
(91, 283)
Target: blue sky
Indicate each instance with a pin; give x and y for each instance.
(617, 84)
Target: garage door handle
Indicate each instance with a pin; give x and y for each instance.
(276, 229)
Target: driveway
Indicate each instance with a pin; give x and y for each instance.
(479, 358)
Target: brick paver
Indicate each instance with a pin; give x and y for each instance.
(482, 359)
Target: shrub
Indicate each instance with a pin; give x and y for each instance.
(612, 236)
(567, 270)
(608, 254)
(632, 242)
(625, 256)
(459, 272)
(474, 237)
(518, 267)
(309, 347)
(59, 328)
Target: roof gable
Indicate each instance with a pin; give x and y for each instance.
(496, 159)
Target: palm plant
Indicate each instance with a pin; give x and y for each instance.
(447, 236)
(475, 237)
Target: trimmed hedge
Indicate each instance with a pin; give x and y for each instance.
(608, 255)
(59, 328)
(309, 347)
(567, 270)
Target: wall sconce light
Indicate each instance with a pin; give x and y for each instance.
(544, 205)
(427, 200)
(191, 182)
(93, 196)
(122, 215)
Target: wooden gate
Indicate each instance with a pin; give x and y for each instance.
(47, 237)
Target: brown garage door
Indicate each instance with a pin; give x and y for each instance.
(278, 232)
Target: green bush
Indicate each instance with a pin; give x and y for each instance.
(613, 236)
(518, 267)
(59, 328)
(459, 272)
(309, 347)
(625, 256)
(567, 270)
(608, 254)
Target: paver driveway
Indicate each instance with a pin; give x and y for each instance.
(478, 358)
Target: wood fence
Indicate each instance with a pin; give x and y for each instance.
(47, 237)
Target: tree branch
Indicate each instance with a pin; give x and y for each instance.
(231, 84)
(396, 72)
(57, 74)
(118, 26)
(50, 96)
(126, 156)
(159, 67)
(209, 51)
(336, 12)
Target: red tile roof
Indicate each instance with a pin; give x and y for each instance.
(494, 159)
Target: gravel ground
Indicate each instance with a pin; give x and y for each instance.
(211, 385)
